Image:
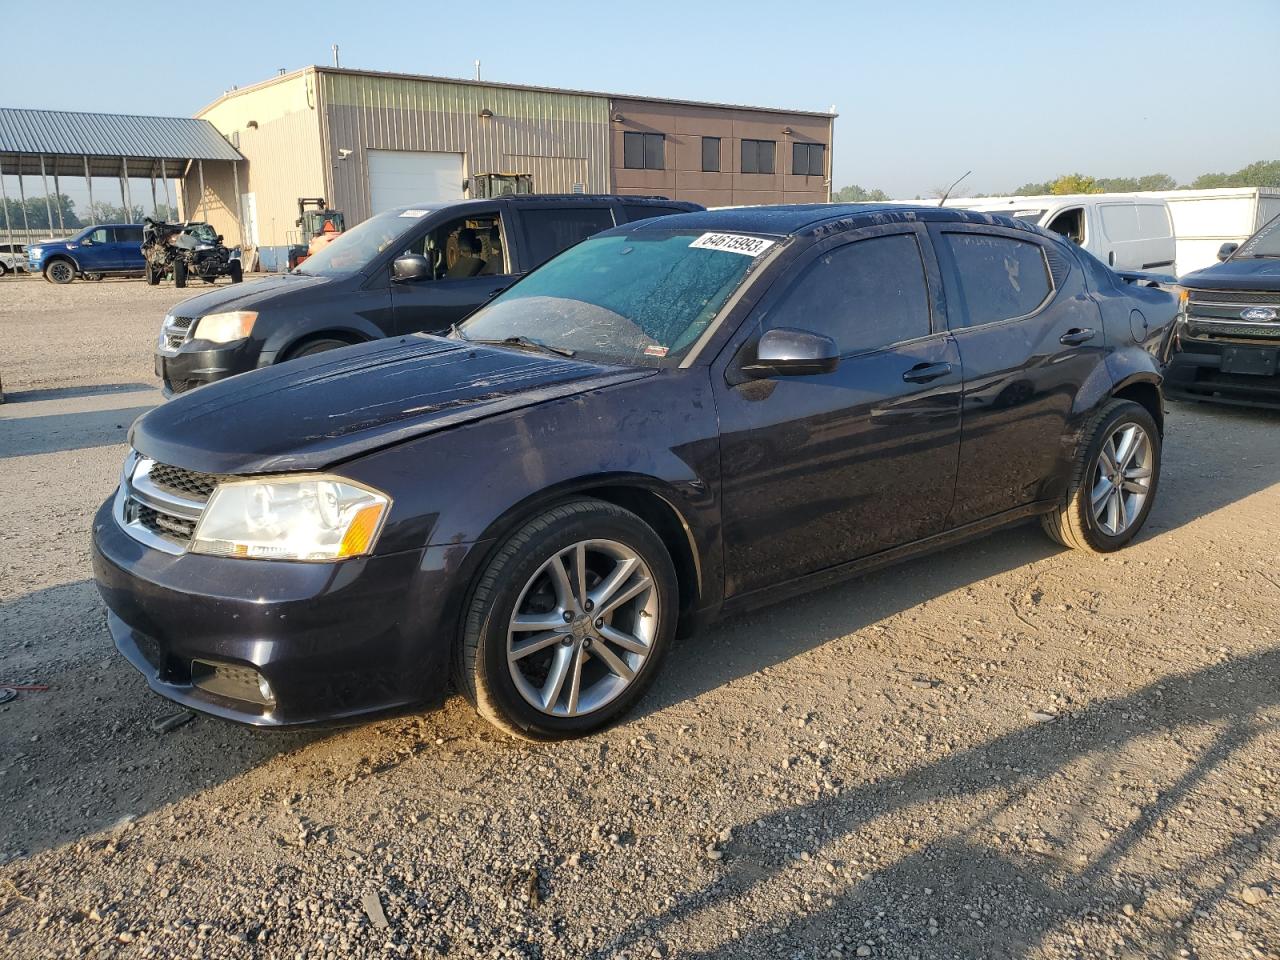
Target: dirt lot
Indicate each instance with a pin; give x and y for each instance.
(1004, 750)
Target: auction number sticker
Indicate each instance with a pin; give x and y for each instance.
(415, 213)
(732, 243)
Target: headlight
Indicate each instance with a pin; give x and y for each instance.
(291, 518)
(225, 327)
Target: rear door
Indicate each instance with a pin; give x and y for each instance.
(129, 248)
(471, 262)
(547, 229)
(1029, 335)
(820, 470)
(1138, 236)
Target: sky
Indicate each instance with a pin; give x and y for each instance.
(1015, 92)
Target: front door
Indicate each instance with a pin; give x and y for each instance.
(469, 264)
(98, 252)
(819, 470)
(1029, 335)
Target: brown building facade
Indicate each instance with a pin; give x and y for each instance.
(719, 155)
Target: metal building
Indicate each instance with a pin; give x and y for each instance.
(367, 141)
(43, 148)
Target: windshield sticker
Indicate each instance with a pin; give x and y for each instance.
(655, 350)
(732, 243)
(415, 213)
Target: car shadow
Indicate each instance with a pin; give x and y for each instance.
(66, 393)
(1070, 873)
(52, 433)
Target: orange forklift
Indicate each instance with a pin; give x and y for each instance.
(317, 225)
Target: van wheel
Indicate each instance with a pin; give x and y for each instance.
(568, 623)
(309, 348)
(60, 271)
(1114, 481)
(179, 273)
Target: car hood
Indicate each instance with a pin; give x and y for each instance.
(1258, 273)
(317, 411)
(240, 296)
(56, 242)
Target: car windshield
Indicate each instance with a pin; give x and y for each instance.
(641, 299)
(351, 251)
(203, 232)
(1264, 243)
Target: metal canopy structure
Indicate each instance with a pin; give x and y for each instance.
(51, 144)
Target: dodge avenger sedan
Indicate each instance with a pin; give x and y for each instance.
(674, 420)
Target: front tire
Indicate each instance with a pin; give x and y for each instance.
(568, 623)
(60, 272)
(1113, 483)
(236, 269)
(180, 273)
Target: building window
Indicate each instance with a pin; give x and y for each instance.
(710, 154)
(642, 151)
(757, 156)
(808, 159)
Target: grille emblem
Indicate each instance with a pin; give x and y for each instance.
(1259, 314)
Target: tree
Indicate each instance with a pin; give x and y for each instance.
(856, 194)
(37, 213)
(1031, 190)
(105, 212)
(1074, 183)
(1264, 173)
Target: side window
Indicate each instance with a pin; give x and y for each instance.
(757, 156)
(710, 154)
(466, 247)
(1153, 220)
(547, 232)
(100, 235)
(129, 235)
(1070, 224)
(1120, 221)
(644, 211)
(1000, 278)
(864, 295)
(643, 151)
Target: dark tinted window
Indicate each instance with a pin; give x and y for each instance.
(1000, 278)
(863, 295)
(710, 154)
(642, 151)
(757, 156)
(643, 211)
(550, 231)
(129, 235)
(808, 160)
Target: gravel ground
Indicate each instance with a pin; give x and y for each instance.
(1003, 750)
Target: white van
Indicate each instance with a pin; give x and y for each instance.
(1126, 231)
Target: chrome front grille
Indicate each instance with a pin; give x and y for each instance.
(174, 332)
(159, 505)
(1220, 313)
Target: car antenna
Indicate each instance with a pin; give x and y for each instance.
(947, 193)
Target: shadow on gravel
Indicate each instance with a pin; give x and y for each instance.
(1228, 702)
(25, 436)
(67, 393)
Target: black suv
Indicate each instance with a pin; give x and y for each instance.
(674, 419)
(403, 271)
(1228, 343)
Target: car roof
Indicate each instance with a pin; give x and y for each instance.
(536, 198)
(799, 219)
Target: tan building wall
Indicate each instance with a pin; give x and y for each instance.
(276, 127)
(560, 137)
(683, 126)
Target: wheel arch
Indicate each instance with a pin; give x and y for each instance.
(1145, 392)
(54, 257)
(345, 334)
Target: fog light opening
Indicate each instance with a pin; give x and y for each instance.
(233, 681)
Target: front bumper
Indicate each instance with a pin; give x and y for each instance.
(189, 369)
(1194, 372)
(334, 640)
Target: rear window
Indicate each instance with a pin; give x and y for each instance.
(547, 232)
(129, 235)
(1000, 278)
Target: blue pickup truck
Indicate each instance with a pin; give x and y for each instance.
(109, 249)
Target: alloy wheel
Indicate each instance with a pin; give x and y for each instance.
(1122, 478)
(583, 627)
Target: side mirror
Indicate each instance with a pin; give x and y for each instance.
(1226, 250)
(786, 352)
(219, 238)
(412, 266)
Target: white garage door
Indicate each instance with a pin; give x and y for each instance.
(402, 178)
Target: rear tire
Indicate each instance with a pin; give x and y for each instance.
(60, 272)
(1100, 516)
(180, 273)
(597, 655)
(236, 270)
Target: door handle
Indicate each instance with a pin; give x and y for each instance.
(1076, 336)
(924, 372)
